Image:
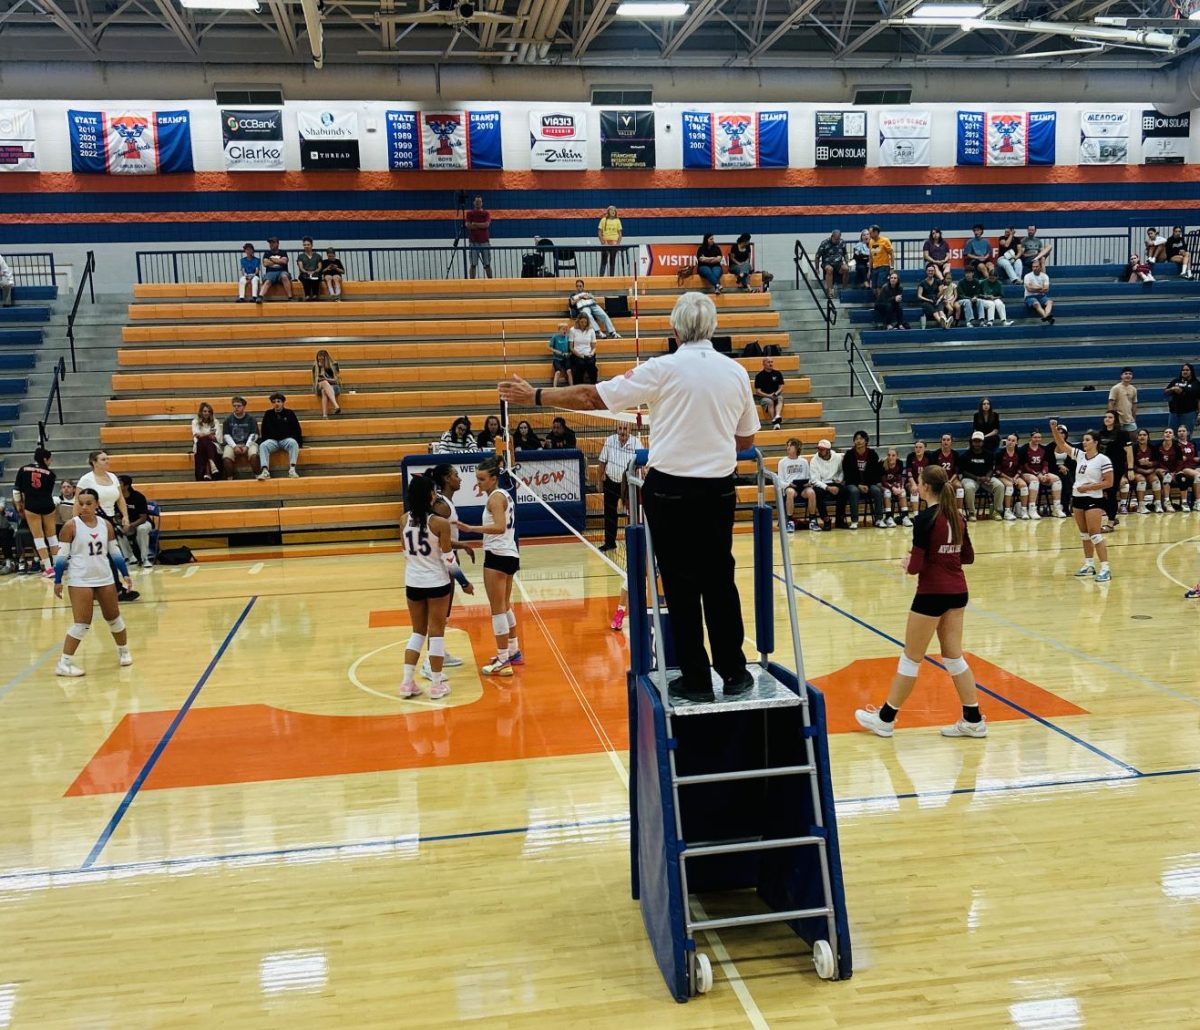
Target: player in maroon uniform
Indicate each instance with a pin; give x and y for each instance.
(947, 458)
(941, 547)
(917, 459)
(1038, 471)
(1168, 466)
(1145, 474)
(1008, 469)
(1189, 470)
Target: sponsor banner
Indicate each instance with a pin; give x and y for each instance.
(328, 140)
(627, 139)
(904, 139)
(1104, 137)
(557, 141)
(735, 140)
(841, 139)
(1006, 138)
(669, 258)
(18, 141)
(253, 140)
(130, 142)
(425, 141)
(1165, 138)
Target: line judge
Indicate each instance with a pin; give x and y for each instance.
(701, 414)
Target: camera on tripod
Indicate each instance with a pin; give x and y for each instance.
(461, 198)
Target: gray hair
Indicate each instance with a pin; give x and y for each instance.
(694, 317)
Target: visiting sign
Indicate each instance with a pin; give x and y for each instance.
(1104, 137)
(904, 139)
(669, 258)
(425, 141)
(733, 140)
(1165, 138)
(627, 139)
(130, 142)
(1006, 138)
(328, 140)
(841, 139)
(252, 140)
(557, 141)
(18, 141)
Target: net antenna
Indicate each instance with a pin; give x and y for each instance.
(637, 324)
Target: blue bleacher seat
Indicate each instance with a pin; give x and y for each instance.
(24, 314)
(22, 294)
(1076, 421)
(973, 379)
(1078, 354)
(1081, 308)
(9, 412)
(11, 362)
(966, 403)
(13, 385)
(1035, 332)
(21, 337)
(6, 438)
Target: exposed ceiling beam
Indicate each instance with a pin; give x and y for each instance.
(173, 19)
(591, 28)
(59, 16)
(696, 17)
(847, 20)
(900, 10)
(284, 27)
(993, 12)
(1087, 15)
(785, 26)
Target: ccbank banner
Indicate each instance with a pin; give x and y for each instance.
(1165, 138)
(1006, 138)
(18, 141)
(557, 141)
(328, 140)
(841, 139)
(627, 139)
(253, 140)
(1104, 137)
(130, 142)
(425, 141)
(904, 139)
(735, 140)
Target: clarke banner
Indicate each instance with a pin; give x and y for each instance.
(726, 140)
(253, 140)
(425, 141)
(130, 142)
(557, 141)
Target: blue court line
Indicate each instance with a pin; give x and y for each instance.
(25, 673)
(978, 686)
(161, 746)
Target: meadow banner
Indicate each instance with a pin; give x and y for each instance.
(1006, 138)
(18, 141)
(328, 140)
(557, 141)
(253, 140)
(627, 139)
(904, 139)
(735, 140)
(130, 142)
(1165, 138)
(1104, 137)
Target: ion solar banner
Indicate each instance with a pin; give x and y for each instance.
(419, 140)
(627, 139)
(1006, 139)
(557, 141)
(130, 142)
(18, 141)
(328, 140)
(841, 139)
(253, 140)
(735, 140)
(904, 138)
(1165, 138)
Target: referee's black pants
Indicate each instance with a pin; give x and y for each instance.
(612, 497)
(691, 524)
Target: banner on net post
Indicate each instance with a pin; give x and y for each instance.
(1104, 137)
(904, 139)
(252, 140)
(1165, 138)
(18, 141)
(1006, 138)
(453, 140)
(841, 139)
(627, 139)
(557, 141)
(130, 142)
(328, 140)
(735, 140)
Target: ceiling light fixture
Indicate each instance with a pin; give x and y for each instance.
(953, 12)
(650, 9)
(220, 5)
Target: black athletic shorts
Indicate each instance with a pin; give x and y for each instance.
(39, 505)
(427, 593)
(501, 563)
(936, 605)
(1086, 503)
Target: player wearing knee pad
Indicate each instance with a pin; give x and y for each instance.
(1093, 477)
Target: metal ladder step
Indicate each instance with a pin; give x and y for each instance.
(757, 918)
(746, 774)
(733, 848)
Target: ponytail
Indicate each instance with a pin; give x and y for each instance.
(419, 502)
(934, 477)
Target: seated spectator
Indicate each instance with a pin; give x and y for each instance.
(583, 303)
(889, 304)
(280, 432)
(560, 348)
(7, 281)
(582, 338)
(1156, 246)
(826, 471)
(741, 261)
(1038, 471)
(1033, 250)
(249, 274)
(1183, 398)
(239, 433)
(8, 540)
(927, 296)
(708, 262)
(916, 461)
(948, 301)
(1136, 270)
(862, 473)
(987, 422)
(64, 509)
(275, 269)
(1176, 249)
(134, 537)
(831, 261)
(333, 273)
(1037, 293)
(1009, 251)
(327, 382)
(936, 252)
(491, 433)
(862, 259)
(893, 490)
(207, 439)
(947, 457)
(977, 465)
(1189, 470)
(1168, 465)
(1146, 475)
(970, 297)
(768, 392)
(977, 254)
(1008, 471)
(525, 439)
(796, 478)
(560, 437)
(458, 439)
(308, 264)
(991, 299)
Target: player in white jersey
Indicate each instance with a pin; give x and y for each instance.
(83, 561)
(429, 559)
(501, 560)
(446, 482)
(1093, 475)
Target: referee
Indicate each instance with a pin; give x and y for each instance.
(616, 456)
(701, 414)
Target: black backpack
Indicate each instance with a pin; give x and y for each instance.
(176, 556)
(752, 350)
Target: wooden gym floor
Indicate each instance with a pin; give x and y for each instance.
(248, 829)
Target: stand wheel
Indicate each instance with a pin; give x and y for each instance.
(704, 977)
(823, 960)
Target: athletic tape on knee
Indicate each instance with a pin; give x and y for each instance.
(1124, 488)
(416, 642)
(907, 667)
(1168, 477)
(1024, 490)
(1097, 538)
(52, 541)
(955, 666)
(500, 625)
(512, 619)
(116, 625)
(39, 543)
(437, 647)
(959, 492)
(1086, 537)
(1008, 490)
(78, 630)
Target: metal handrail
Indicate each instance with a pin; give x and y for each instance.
(828, 309)
(89, 267)
(875, 393)
(57, 376)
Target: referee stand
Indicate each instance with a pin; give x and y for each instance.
(731, 799)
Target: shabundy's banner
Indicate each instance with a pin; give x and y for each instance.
(328, 140)
(1104, 137)
(731, 140)
(557, 141)
(18, 141)
(904, 138)
(130, 142)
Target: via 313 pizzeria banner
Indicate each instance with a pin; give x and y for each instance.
(735, 140)
(428, 141)
(1006, 138)
(130, 142)
(18, 141)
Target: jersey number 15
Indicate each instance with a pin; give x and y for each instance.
(418, 542)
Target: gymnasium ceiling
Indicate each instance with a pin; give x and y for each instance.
(794, 34)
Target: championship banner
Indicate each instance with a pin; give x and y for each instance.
(627, 139)
(253, 140)
(1006, 139)
(18, 141)
(726, 141)
(421, 141)
(841, 139)
(328, 140)
(904, 139)
(1103, 137)
(557, 141)
(130, 142)
(1165, 138)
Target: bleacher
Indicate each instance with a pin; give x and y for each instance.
(20, 337)
(413, 356)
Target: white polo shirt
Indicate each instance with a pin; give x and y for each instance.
(699, 400)
(616, 457)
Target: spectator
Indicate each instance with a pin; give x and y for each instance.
(893, 489)
(831, 261)
(207, 439)
(327, 382)
(987, 422)
(458, 439)
(1037, 292)
(970, 295)
(796, 478)
(1189, 470)
(275, 269)
(490, 434)
(862, 259)
(1183, 398)
(977, 254)
(1177, 252)
(1145, 474)
(1136, 270)
(333, 272)
(948, 301)
(249, 275)
(889, 303)
(616, 458)
(927, 296)
(1038, 472)
(1008, 471)
(239, 433)
(708, 262)
(560, 437)
(1009, 250)
(134, 536)
(610, 234)
(582, 338)
(991, 300)
(280, 432)
(7, 281)
(65, 509)
(1118, 448)
(741, 261)
(978, 464)
(768, 392)
(916, 461)
(1156, 246)
(525, 439)
(862, 473)
(1032, 250)
(882, 258)
(826, 471)
(478, 224)
(947, 457)
(8, 539)
(936, 252)
(560, 349)
(1123, 399)
(583, 303)
(1168, 465)
(308, 262)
